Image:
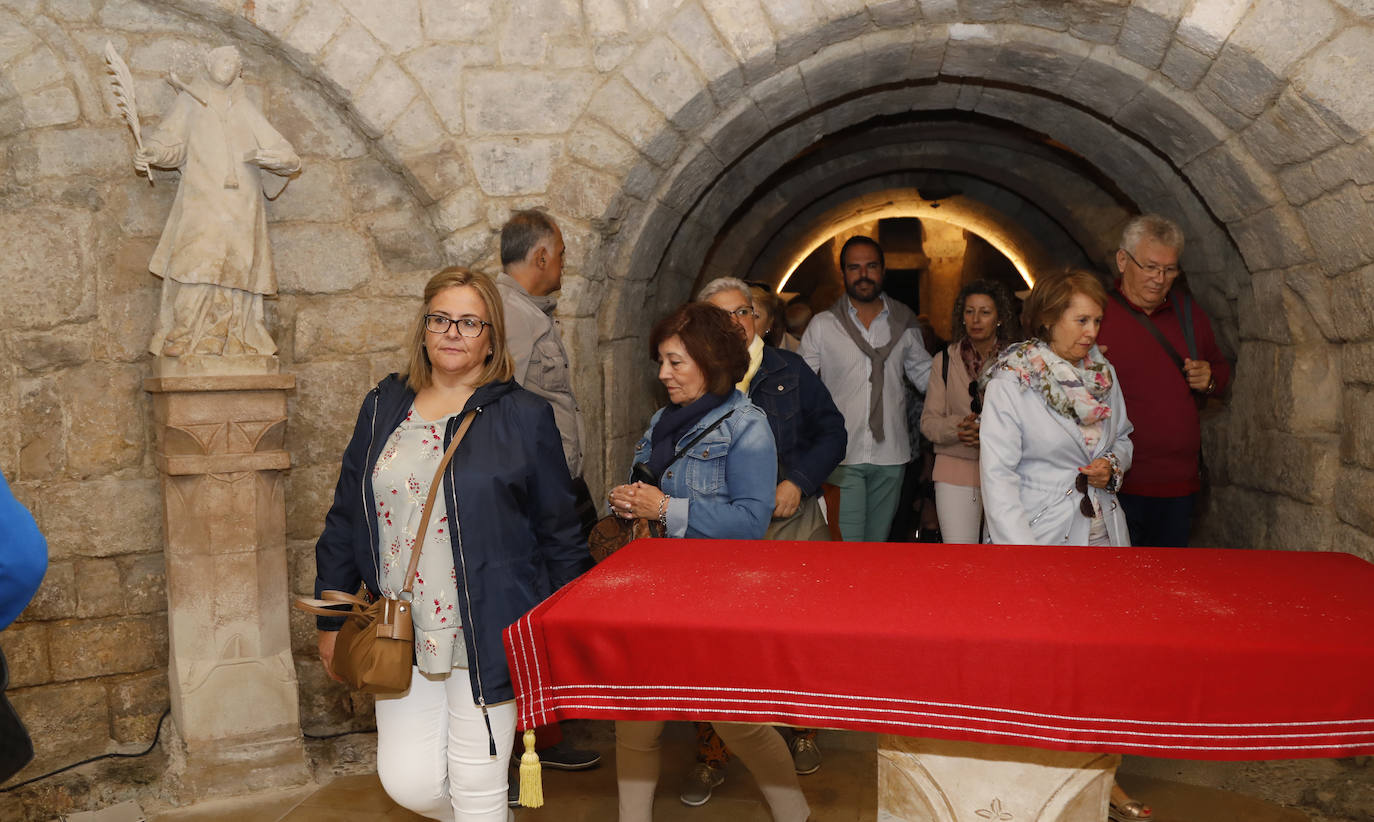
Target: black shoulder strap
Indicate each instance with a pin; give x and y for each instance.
(944, 368)
(713, 426)
(1150, 327)
(1185, 319)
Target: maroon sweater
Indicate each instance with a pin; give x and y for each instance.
(1167, 433)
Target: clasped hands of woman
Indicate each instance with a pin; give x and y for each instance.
(637, 499)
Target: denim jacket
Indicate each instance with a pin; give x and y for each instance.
(724, 486)
(807, 427)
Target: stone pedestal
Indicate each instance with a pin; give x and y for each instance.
(220, 450)
(931, 780)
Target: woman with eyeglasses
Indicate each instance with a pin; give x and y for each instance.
(503, 536)
(984, 323)
(1054, 435)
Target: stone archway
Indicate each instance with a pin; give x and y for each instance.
(655, 131)
(1159, 131)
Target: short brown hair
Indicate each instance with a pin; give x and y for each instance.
(498, 367)
(712, 340)
(1050, 297)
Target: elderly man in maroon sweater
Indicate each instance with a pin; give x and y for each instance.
(1167, 359)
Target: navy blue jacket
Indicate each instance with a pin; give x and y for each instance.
(507, 487)
(807, 427)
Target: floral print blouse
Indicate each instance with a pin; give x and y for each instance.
(400, 482)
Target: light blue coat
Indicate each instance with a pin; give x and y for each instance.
(724, 486)
(1029, 460)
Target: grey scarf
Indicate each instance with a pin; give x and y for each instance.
(899, 319)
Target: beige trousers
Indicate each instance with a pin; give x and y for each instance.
(805, 525)
(759, 747)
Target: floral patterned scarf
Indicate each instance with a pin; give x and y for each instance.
(1077, 393)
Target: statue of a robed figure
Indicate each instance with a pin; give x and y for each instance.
(214, 256)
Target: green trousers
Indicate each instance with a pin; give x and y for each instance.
(868, 499)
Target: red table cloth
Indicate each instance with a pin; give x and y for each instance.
(1186, 653)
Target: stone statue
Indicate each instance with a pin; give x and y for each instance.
(213, 256)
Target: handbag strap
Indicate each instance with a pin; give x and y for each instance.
(699, 437)
(1185, 319)
(327, 604)
(429, 502)
(1150, 326)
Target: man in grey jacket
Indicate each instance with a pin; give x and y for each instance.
(532, 270)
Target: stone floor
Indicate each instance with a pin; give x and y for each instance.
(842, 791)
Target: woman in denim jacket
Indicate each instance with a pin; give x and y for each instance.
(721, 488)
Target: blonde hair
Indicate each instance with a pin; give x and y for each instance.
(498, 367)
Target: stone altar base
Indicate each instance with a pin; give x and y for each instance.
(932, 780)
(233, 686)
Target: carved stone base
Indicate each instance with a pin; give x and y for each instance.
(233, 767)
(931, 780)
(233, 686)
(193, 365)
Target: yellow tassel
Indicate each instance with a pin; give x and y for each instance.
(531, 786)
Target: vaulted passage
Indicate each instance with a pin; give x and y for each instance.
(674, 141)
(1040, 148)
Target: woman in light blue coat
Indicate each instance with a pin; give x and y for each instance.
(1055, 436)
(722, 487)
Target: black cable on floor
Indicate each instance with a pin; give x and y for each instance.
(339, 734)
(166, 712)
(156, 736)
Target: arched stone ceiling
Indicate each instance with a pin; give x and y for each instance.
(867, 199)
(1070, 212)
(644, 124)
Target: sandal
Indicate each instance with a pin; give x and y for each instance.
(1131, 811)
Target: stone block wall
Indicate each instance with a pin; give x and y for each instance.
(645, 127)
(353, 245)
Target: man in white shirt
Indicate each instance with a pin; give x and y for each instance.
(861, 348)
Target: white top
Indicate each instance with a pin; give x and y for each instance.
(400, 483)
(845, 370)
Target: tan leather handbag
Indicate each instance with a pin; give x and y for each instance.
(375, 650)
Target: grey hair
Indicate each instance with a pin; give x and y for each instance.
(720, 284)
(522, 233)
(1162, 230)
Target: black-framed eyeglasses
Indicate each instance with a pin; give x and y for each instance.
(467, 326)
(1085, 505)
(975, 402)
(742, 312)
(1153, 270)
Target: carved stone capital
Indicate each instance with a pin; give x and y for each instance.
(932, 780)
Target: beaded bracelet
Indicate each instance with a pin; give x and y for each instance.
(663, 512)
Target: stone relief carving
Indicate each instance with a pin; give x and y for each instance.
(213, 256)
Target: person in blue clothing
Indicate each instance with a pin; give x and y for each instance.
(503, 536)
(722, 487)
(810, 436)
(23, 556)
(23, 561)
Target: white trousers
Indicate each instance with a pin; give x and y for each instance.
(960, 508)
(434, 750)
(759, 747)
